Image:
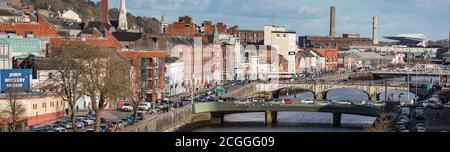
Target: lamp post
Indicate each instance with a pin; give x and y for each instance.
(385, 90)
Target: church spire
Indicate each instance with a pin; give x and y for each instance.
(123, 24)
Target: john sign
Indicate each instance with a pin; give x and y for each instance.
(17, 79)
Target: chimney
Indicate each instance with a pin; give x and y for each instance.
(375, 31)
(332, 21)
(105, 10)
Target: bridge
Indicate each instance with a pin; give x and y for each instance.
(319, 90)
(218, 110)
(419, 70)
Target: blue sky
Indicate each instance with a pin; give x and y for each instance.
(309, 17)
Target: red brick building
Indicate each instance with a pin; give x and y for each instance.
(107, 41)
(150, 72)
(331, 58)
(38, 29)
(184, 27)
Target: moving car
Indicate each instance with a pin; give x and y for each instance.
(288, 101)
(342, 102)
(419, 113)
(405, 111)
(421, 129)
(307, 101)
(276, 101)
(258, 100)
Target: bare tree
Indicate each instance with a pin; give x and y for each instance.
(382, 124)
(14, 107)
(65, 60)
(103, 78)
(136, 96)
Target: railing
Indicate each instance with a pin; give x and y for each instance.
(163, 122)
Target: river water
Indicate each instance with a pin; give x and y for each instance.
(306, 121)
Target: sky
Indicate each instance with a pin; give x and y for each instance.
(309, 17)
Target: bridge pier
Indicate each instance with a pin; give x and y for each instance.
(319, 96)
(218, 119)
(337, 119)
(271, 117)
(373, 97)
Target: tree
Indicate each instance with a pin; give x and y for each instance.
(65, 59)
(136, 97)
(382, 124)
(14, 108)
(104, 74)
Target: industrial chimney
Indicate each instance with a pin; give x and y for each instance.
(332, 21)
(104, 13)
(375, 31)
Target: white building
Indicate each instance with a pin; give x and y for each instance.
(71, 15)
(282, 40)
(234, 57)
(174, 73)
(319, 61)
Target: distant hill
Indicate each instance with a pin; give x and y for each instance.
(88, 9)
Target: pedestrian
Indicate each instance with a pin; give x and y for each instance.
(67, 112)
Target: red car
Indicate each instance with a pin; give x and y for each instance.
(288, 101)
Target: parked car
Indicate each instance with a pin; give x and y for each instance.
(178, 104)
(86, 121)
(140, 116)
(119, 124)
(145, 105)
(67, 124)
(163, 107)
(288, 101)
(127, 107)
(307, 101)
(79, 124)
(103, 127)
(187, 98)
(405, 130)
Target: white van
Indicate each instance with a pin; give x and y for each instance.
(127, 107)
(145, 105)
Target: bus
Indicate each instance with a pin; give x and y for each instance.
(281, 76)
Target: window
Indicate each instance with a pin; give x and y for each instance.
(43, 105)
(50, 75)
(284, 35)
(52, 104)
(34, 106)
(278, 35)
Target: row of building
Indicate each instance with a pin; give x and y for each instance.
(180, 56)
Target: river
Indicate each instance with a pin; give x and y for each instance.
(307, 121)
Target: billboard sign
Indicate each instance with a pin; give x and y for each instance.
(17, 79)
